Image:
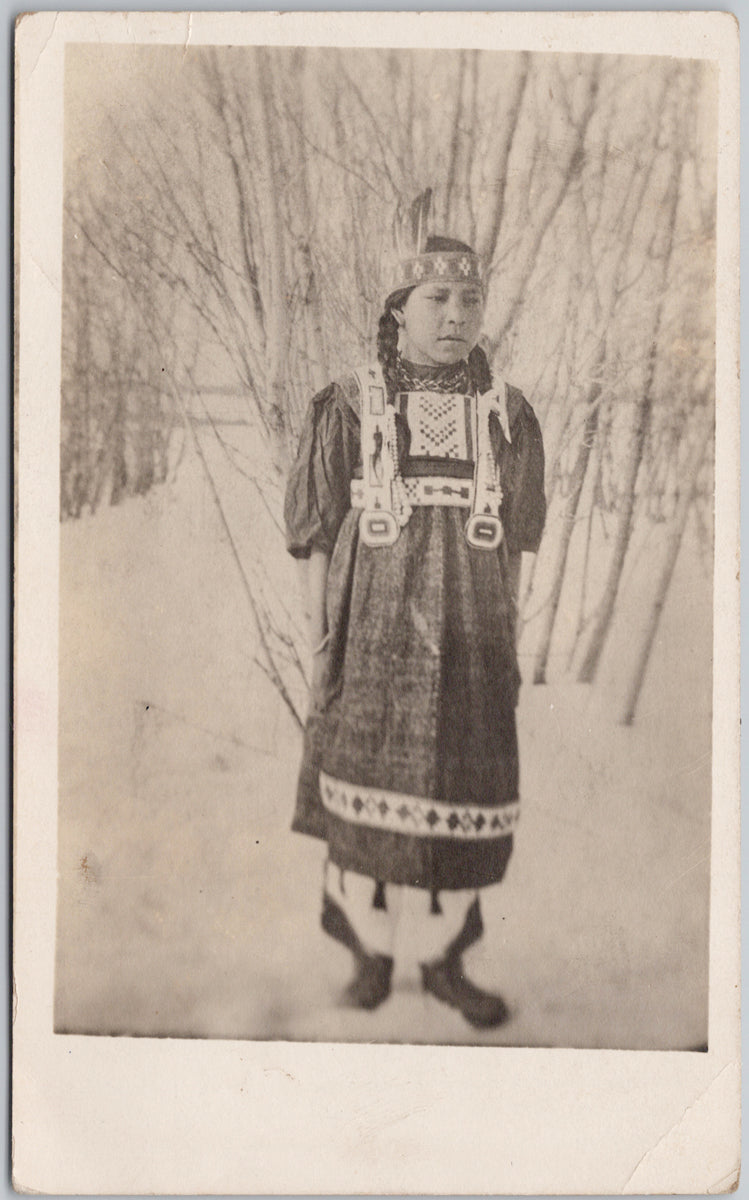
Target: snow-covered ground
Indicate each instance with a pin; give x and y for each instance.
(187, 908)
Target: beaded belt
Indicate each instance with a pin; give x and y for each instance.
(423, 490)
(378, 527)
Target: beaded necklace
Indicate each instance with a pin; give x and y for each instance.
(418, 377)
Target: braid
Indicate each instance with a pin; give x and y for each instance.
(387, 349)
(479, 371)
(387, 339)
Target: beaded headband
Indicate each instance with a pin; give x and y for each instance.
(448, 266)
(414, 264)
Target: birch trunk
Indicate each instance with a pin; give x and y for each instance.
(602, 622)
(542, 218)
(455, 133)
(665, 576)
(276, 324)
(579, 472)
(496, 175)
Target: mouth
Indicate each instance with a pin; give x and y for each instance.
(452, 338)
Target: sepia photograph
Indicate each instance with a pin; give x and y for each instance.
(387, 382)
(385, 440)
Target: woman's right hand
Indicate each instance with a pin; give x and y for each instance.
(317, 575)
(319, 665)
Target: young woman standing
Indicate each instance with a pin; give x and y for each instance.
(417, 485)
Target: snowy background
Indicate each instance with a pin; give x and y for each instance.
(187, 908)
(226, 217)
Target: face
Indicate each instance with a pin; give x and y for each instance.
(440, 322)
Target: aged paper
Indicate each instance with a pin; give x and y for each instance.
(203, 213)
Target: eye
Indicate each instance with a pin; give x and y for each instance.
(440, 297)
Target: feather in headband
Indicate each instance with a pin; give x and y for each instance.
(413, 264)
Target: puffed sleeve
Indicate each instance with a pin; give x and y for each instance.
(521, 466)
(318, 492)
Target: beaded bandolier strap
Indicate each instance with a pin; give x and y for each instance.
(388, 498)
(383, 496)
(484, 527)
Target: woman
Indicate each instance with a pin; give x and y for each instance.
(415, 489)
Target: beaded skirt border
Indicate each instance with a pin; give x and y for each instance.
(415, 815)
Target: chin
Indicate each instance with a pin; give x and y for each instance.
(445, 354)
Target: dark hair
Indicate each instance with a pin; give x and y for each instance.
(387, 332)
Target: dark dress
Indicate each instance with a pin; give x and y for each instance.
(410, 765)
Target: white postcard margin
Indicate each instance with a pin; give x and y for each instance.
(109, 1115)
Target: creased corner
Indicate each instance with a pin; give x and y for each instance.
(729, 1182)
(700, 1152)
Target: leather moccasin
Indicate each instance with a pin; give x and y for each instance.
(446, 981)
(371, 983)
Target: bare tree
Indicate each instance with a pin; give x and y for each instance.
(606, 278)
(233, 220)
(687, 490)
(640, 427)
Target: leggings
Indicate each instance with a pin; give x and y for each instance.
(406, 923)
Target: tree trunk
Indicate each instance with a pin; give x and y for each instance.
(607, 295)
(543, 216)
(497, 173)
(452, 166)
(639, 432)
(276, 328)
(117, 452)
(582, 599)
(664, 578)
(313, 313)
(579, 471)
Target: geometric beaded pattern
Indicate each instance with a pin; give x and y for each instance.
(439, 491)
(440, 265)
(414, 815)
(439, 424)
(426, 491)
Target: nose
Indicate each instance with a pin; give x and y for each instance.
(455, 310)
